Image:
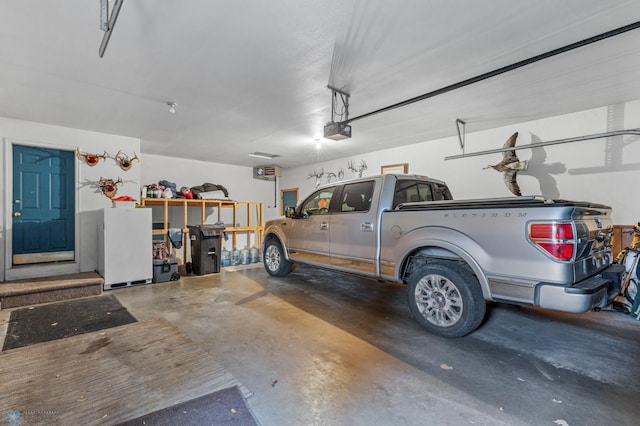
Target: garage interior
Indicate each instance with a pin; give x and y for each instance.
(203, 94)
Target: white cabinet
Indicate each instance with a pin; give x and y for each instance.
(125, 254)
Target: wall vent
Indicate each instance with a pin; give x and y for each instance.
(267, 172)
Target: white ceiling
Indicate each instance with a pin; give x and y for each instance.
(251, 75)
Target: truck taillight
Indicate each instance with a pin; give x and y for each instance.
(556, 239)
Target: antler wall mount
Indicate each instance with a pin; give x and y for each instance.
(124, 161)
(90, 159)
(361, 167)
(109, 187)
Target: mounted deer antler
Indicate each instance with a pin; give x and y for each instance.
(361, 168)
(90, 159)
(125, 162)
(317, 175)
(109, 187)
(331, 175)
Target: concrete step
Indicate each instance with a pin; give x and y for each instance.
(14, 294)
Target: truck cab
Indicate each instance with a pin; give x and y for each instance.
(337, 225)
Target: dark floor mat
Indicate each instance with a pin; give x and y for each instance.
(225, 407)
(64, 319)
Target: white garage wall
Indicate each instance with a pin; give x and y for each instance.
(237, 180)
(89, 198)
(603, 170)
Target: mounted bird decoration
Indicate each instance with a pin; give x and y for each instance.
(510, 166)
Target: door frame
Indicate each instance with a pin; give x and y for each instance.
(7, 270)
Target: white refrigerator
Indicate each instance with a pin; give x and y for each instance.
(125, 254)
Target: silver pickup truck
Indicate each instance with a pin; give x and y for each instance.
(453, 255)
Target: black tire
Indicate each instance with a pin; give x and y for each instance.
(274, 260)
(446, 299)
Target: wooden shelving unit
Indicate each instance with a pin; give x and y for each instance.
(253, 223)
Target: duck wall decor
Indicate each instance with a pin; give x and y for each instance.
(510, 166)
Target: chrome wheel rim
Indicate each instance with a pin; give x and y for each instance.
(272, 258)
(439, 300)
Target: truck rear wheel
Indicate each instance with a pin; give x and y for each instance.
(446, 299)
(274, 260)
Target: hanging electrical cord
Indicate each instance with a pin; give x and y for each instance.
(503, 70)
(337, 116)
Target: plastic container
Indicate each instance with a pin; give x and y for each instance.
(206, 248)
(123, 204)
(244, 256)
(253, 254)
(226, 258)
(165, 271)
(235, 257)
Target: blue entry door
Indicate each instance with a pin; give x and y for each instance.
(43, 205)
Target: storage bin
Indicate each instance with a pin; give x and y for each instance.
(164, 271)
(206, 248)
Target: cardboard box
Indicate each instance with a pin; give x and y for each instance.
(164, 271)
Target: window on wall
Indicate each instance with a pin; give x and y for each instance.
(356, 197)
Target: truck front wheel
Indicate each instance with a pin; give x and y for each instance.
(446, 299)
(274, 261)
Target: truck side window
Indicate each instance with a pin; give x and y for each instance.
(424, 191)
(357, 197)
(406, 191)
(411, 191)
(317, 203)
(441, 192)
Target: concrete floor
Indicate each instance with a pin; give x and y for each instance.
(321, 348)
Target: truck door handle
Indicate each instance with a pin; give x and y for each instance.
(324, 226)
(366, 227)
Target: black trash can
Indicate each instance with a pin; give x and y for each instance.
(206, 248)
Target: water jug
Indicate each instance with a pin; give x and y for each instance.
(235, 257)
(253, 254)
(225, 259)
(244, 256)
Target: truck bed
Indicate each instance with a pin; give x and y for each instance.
(483, 203)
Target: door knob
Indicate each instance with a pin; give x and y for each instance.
(17, 214)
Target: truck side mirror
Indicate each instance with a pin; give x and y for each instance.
(290, 212)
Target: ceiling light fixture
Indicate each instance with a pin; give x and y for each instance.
(264, 155)
(172, 107)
